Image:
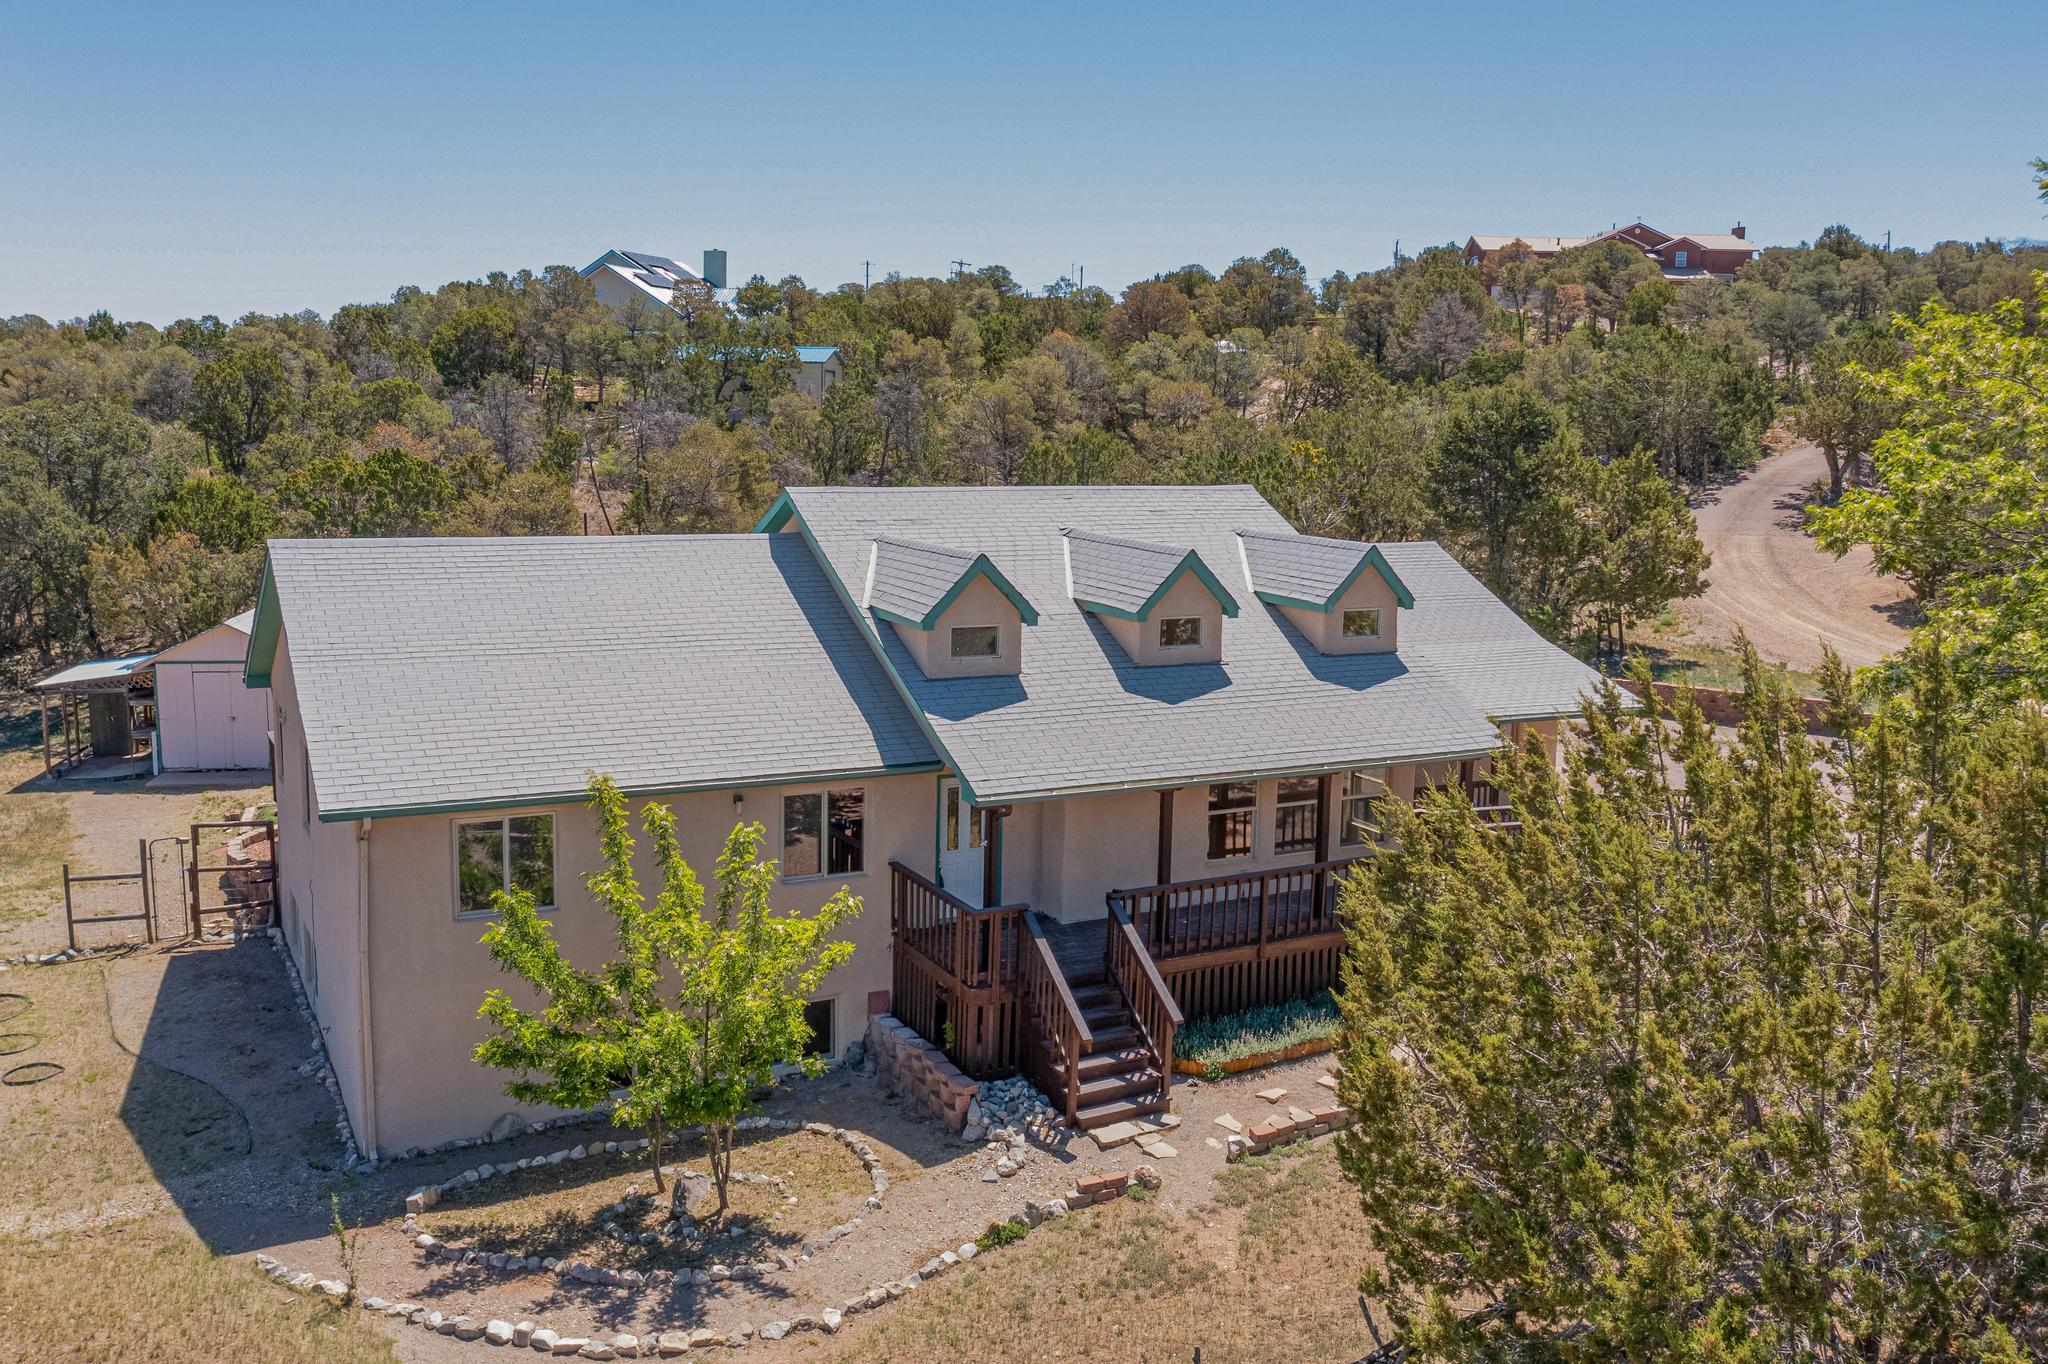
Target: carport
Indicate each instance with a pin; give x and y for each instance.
(96, 706)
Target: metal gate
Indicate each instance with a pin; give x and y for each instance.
(88, 901)
(233, 872)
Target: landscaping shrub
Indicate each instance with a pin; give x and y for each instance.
(1001, 1234)
(1211, 1042)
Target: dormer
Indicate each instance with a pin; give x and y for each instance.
(953, 609)
(1342, 595)
(1161, 602)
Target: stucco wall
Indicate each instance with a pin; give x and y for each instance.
(1325, 629)
(1187, 597)
(981, 603)
(320, 902)
(430, 972)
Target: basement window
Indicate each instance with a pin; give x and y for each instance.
(1362, 624)
(1180, 632)
(493, 855)
(976, 641)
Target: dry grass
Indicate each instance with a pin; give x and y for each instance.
(1268, 1272)
(142, 1291)
(35, 828)
(86, 1149)
(109, 1126)
(558, 1210)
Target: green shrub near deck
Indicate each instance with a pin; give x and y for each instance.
(1213, 1042)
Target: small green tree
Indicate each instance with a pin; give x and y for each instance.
(695, 1010)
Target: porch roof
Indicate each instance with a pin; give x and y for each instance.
(1082, 716)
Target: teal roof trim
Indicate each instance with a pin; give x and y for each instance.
(1191, 564)
(263, 632)
(980, 568)
(1372, 559)
(777, 516)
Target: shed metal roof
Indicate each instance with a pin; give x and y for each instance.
(97, 670)
(469, 673)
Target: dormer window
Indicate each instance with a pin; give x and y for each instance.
(1362, 624)
(977, 641)
(1161, 603)
(1342, 595)
(952, 609)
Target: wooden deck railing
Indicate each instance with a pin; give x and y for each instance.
(1221, 913)
(1050, 1016)
(956, 971)
(1135, 973)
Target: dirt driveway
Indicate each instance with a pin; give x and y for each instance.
(1772, 580)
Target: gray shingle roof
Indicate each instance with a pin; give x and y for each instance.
(1121, 574)
(912, 581)
(1464, 633)
(444, 673)
(1308, 568)
(1082, 716)
(911, 578)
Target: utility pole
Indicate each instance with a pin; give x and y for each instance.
(864, 272)
(960, 267)
(1082, 282)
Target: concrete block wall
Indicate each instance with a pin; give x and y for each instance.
(919, 1071)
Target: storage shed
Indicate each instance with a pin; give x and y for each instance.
(207, 721)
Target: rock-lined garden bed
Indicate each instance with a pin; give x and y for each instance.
(668, 1343)
(734, 1260)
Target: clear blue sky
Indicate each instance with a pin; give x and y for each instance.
(173, 160)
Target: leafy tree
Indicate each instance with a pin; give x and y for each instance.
(695, 1010)
(1148, 306)
(237, 400)
(474, 344)
(1640, 550)
(1959, 502)
(1841, 411)
(1491, 471)
(221, 513)
(171, 589)
(392, 492)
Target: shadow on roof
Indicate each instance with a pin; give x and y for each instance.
(1358, 672)
(1170, 683)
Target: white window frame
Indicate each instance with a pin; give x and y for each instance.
(1345, 797)
(1681, 260)
(953, 643)
(824, 795)
(1344, 622)
(504, 822)
(1194, 643)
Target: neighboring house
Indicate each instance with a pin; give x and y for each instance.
(818, 368)
(206, 720)
(1094, 758)
(1681, 257)
(631, 283)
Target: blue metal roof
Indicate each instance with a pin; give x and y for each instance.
(816, 355)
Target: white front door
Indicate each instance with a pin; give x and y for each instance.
(960, 851)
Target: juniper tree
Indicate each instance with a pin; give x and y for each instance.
(697, 1007)
(1712, 1061)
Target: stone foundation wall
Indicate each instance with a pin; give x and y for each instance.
(919, 1071)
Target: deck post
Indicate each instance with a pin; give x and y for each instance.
(1324, 786)
(43, 705)
(1165, 836)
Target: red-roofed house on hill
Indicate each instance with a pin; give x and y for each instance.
(1682, 256)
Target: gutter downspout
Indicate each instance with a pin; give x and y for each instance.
(368, 1144)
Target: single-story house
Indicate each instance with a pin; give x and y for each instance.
(206, 720)
(1095, 758)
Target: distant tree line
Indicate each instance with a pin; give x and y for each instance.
(1542, 418)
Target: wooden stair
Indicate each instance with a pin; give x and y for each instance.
(1119, 1076)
